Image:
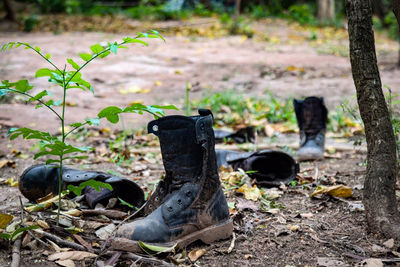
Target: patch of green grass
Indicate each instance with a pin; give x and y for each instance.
(231, 108)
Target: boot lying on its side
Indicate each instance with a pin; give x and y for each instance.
(312, 116)
(241, 136)
(189, 204)
(40, 180)
(268, 167)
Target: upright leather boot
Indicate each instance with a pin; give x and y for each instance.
(192, 205)
(312, 117)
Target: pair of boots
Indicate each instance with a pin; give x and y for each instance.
(187, 205)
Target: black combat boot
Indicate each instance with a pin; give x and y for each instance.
(242, 135)
(40, 180)
(191, 202)
(312, 117)
(267, 167)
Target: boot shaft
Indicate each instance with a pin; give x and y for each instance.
(311, 115)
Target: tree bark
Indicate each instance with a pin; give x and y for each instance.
(379, 185)
(326, 9)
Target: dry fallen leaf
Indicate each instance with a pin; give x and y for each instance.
(71, 255)
(336, 191)
(293, 228)
(389, 243)
(42, 224)
(251, 193)
(195, 254)
(371, 262)
(5, 219)
(66, 263)
(8, 163)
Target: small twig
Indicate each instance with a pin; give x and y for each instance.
(113, 214)
(60, 241)
(22, 209)
(137, 258)
(84, 243)
(39, 240)
(232, 244)
(114, 258)
(16, 253)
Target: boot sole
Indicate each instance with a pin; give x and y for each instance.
(207, 235)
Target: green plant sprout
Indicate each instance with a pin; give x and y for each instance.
(53, 146)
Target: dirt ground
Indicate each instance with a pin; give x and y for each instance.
(318, 231)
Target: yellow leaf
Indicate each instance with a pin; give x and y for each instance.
(157, 83)
(71, 104)
(336, 191)
(250, 193)
(195, 254)
(11, 182)
(4, 220)
(8, 163)
(178, 72)
(291, 68)
(293, 228)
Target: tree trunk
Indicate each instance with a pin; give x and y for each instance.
(326, 9)
(396, 11)
(9, 10)
(379, 185)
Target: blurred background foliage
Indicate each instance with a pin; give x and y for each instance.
(305, 12)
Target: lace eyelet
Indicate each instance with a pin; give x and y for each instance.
(179, 202)
(170, 209)
(156, 198)
(188, 193)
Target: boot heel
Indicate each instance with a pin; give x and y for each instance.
(217, 232)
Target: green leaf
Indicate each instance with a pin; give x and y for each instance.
(27, 133)
(75, 125)
(97, 185)
(21, 230)
(23, 86)
(110, 113)
(96, 48)
(95, 121)
(47, 56)
(3, 92)
(43, 72)
(38, 96)
(123, 202)
(85, 57)
(51, 161)
(129, 40)
(5, 236)
(152, 250)
(37, 48)
(114, 47)
(73, 63)
(103, 55)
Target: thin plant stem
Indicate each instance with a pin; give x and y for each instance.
(40, 101)
(63, 140)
